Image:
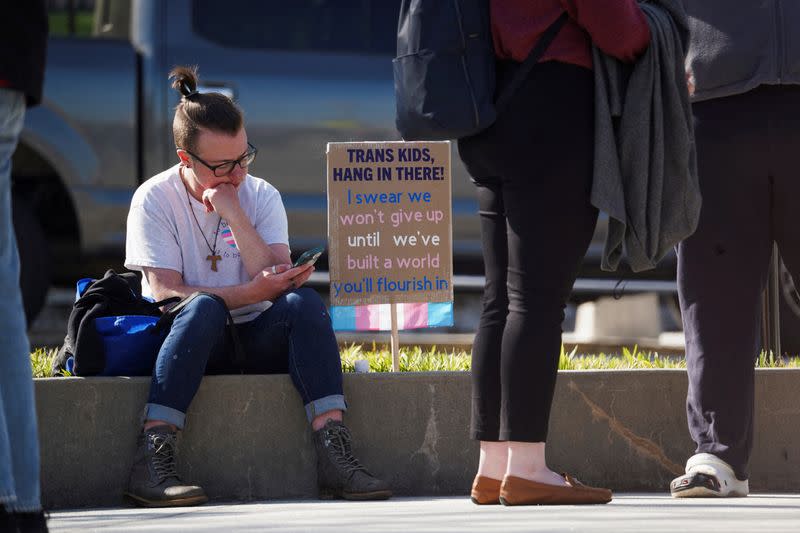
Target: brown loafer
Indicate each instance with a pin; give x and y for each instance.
(520, 491)
(485, 491)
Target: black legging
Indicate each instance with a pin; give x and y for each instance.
(533, 170)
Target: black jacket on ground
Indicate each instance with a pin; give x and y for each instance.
(23, 44)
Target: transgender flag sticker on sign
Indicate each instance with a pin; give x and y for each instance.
(377, 317)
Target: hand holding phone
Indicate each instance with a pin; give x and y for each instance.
(309, 256)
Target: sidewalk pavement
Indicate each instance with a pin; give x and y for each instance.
(628, 512)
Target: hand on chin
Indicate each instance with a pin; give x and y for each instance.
(221, 198)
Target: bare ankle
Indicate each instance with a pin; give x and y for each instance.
(527, 460)
(493, 459)
(320, 420)
(153, 423)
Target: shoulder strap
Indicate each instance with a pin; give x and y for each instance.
(167, 301)
(526, 66)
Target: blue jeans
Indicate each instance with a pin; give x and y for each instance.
(19, 445)
(293, 336)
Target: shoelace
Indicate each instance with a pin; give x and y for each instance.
(164, 456)
(339, 437)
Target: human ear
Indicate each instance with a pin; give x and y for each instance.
(184, 157)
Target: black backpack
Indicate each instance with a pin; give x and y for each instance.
(115, 295)
(444, 72)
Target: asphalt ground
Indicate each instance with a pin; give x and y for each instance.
(627, 512)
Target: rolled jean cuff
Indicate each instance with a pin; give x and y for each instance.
(154, 411)
(323, 405)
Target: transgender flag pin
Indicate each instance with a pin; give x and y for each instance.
(227, 236)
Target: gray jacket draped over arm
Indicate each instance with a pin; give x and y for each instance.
(645, 169)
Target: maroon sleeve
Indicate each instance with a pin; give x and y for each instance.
(617, 27)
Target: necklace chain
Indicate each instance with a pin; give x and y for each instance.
(211, 249)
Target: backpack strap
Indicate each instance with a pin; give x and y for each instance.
(165, 322)
(526, 66)
(167, 301)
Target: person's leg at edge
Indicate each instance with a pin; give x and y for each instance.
(20, 497)
(722, 271)
(198, 333)
(295, 335)
(786, 187)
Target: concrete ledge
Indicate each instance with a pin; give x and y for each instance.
(247, 438)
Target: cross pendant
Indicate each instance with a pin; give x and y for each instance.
(214, 259)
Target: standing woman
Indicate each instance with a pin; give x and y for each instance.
(533, 172)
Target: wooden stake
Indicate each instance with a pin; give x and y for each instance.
(395, 340)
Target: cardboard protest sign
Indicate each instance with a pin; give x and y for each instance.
(390, 229)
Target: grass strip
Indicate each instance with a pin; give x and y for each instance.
(415, 359)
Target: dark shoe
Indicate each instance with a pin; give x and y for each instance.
(30, 522)
(7, 522)
(154, 480)
(520, 491)
(485, 491)
(339, 474)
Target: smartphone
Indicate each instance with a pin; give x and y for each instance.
(309, 256)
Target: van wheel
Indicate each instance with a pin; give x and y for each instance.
(34, 256)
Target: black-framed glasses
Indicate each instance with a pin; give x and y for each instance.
(225, 168)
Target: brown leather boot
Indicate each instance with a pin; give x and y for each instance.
(520, 491)
(485, 491)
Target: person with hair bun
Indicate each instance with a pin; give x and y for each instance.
(206, 225)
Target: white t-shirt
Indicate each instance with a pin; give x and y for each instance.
(162, 233)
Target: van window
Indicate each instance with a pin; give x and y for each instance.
(104, 19)
(358, 26)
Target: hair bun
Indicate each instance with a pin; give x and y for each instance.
(185, 80)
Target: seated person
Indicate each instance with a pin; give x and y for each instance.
(207, 225)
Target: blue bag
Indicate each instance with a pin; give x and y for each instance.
(113, 330)
(444, 72)
(130, 342)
